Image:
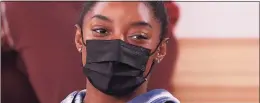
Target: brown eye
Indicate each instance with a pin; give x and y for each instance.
(141, 36)
(100, 32)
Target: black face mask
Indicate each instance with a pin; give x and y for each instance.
(114, 67)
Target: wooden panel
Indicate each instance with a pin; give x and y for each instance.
(218, 71)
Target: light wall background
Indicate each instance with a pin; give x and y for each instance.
(218, 20)
(219, 52)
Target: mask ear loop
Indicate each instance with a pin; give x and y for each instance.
(150, 71)
(156, 48)
(83, 43)
(82, 37)
(152, 66)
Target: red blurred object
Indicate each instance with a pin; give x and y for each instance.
(43, 60)
(173, 13)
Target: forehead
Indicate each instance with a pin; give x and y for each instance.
(122, 11)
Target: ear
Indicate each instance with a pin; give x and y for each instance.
(162, 50)
(78, 39)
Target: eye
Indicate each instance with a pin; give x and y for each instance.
(141, 36)
(100, 32)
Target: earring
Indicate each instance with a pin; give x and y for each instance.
(167, 40)
(158, 60)
(80, 49)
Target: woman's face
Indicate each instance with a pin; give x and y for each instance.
(132, 22)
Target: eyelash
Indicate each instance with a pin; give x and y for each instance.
(139, 36)
(135, 36)
(98, 32)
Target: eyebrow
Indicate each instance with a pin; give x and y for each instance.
(102, 18)
(141, 23)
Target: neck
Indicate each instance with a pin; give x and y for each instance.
(93, 95)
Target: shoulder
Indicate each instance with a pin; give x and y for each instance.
(75, 97)
(155, 96)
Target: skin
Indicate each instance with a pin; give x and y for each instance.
(137, 26)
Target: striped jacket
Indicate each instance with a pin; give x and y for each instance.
(154, 96)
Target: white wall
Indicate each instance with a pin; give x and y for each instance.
(218, 20)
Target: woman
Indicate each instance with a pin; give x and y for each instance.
(119, 43)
